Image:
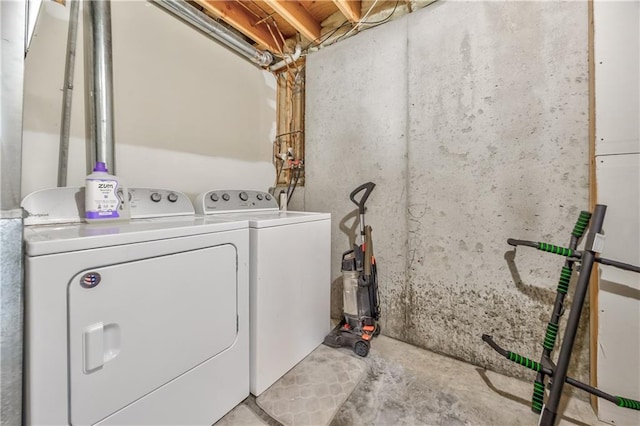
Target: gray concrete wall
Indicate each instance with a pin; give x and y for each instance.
(356, 124)
(472, 118)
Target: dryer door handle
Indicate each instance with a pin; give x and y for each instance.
(93, 347)
(101, 344)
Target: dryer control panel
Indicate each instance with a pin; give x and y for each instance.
(152, 202)
(66, 205)
(234, 200)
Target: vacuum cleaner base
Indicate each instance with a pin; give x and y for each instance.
(341, 336)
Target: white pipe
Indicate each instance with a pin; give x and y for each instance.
(288, 59)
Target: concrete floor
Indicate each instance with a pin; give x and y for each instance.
(406, 385)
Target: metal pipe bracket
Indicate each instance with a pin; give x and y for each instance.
(595, 242)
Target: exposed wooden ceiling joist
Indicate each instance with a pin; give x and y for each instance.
(351, 9)
(264, 11)
(277, 25)
(298, 17)
(236, 16)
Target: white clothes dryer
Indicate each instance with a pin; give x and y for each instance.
(290, 279)
(144, 322)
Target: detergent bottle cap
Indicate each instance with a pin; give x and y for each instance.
(100, 167)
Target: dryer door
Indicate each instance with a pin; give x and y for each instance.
(134, 327)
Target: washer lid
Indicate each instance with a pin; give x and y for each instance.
(50, 239)
(266, 219)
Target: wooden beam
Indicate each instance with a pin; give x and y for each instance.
(290, 125)
(594, 283)
(236, 16)
(298, 17)
(351, 9)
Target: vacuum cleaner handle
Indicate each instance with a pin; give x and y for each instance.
(367, 188)
(368, 252)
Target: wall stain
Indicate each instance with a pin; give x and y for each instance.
(520, 171)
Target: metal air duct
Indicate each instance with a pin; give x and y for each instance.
(67, 92)
(219, 33)
(99, 84)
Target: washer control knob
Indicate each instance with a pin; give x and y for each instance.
(259, 197)
(243, 196)
(214, 197)
(156, 197)
(172, 197)
(268, 197)
(226, 197)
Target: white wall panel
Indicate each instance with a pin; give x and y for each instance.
(617, 107)
(617, 62)
(188, 113)
(618, 370)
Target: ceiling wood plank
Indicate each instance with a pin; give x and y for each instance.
(319, 9)
(241, 20)
(351, 9)
(263, 9)
(298, 17)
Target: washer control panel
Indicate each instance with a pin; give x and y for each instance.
(234, 200)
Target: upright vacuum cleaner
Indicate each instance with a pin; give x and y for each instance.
(359, 323)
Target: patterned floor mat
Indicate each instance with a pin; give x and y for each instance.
(241, 415)
(312, 392)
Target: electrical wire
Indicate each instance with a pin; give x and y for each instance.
(264, 19)
(320, 40)
(284, 43)
(297, 174)
(387, 18)
(269, 16)
(370, 24)
(326, 36)
(289, 186)
(288, 133)
(277, 44)
(359, 21)
(294, 177)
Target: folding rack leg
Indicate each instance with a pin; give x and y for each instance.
(550, 409)
(537, 401)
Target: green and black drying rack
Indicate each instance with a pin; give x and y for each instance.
(546, 368)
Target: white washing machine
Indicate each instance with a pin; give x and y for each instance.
(290, 279)
(144, 322)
